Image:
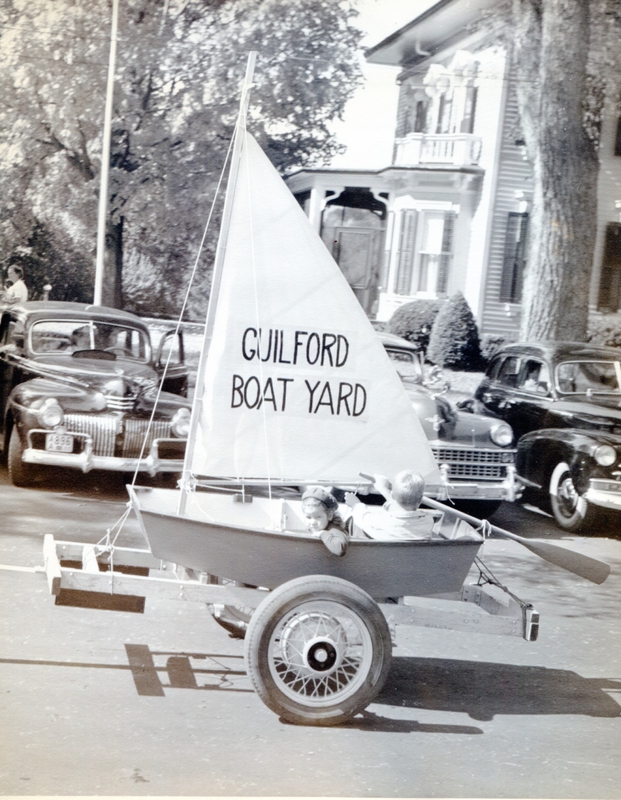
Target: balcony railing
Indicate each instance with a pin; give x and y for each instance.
(456, 149)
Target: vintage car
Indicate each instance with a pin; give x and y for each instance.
(78, 385)
(563, 400)
(474, 452)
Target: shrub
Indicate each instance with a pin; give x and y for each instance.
(605, 330)
(454, 340)
(413, 321)
(490, 342)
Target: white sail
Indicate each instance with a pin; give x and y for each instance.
(297, 385)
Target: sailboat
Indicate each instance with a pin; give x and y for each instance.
(294, 388)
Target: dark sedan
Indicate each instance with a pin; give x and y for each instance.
(563, 400)
(78, 389)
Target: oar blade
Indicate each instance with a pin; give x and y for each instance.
(585, 566)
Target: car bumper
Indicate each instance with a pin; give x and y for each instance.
(86, 460)
(606, 494)
(471, 474)
(507, 490)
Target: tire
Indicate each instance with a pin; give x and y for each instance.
(570, 509)
(481, 509)
(20, 474)
(317, 650)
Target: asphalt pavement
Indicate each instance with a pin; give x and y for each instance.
(99, 702)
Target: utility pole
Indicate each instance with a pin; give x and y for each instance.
(105, 162)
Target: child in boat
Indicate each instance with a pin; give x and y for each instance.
(322, 518)
(400, 516)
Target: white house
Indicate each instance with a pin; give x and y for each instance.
(452, 210)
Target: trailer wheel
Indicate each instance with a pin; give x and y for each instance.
(317, 650)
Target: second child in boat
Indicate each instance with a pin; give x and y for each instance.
(400, 517)
(322, 518)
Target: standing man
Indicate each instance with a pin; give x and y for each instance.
(17, 292)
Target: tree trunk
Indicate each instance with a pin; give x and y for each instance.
(112, 289)
(552, 38)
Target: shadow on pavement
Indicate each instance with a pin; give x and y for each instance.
(482, 689)
(155, 671)
(368, 721)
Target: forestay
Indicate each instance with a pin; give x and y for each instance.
(297, 385)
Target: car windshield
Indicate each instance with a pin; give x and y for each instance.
(70, 336)
(406, 363)
(589, 377)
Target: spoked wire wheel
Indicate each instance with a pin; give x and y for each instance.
(322, 652)
(317, 650)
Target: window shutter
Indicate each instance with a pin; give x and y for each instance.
(405, 262)
(447, 252)
(514, 258)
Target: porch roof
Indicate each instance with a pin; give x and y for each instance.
(434, 29)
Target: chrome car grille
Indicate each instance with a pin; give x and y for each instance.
(135, 432)
(101, 429)
(104, 429)
(484, 465)
(116, 403)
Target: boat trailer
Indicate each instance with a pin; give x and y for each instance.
(479, 607)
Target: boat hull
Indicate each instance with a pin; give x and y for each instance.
(253, 554)
(269, 558)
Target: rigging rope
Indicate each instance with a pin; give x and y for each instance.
(121, 521)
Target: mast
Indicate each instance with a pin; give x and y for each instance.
(105, 162)
(217, 277)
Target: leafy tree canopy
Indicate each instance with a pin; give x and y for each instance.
(179, 69)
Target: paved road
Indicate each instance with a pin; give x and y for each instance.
(115, 703)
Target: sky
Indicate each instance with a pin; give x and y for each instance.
(369, 121)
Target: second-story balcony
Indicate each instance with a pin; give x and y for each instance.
(453, 149)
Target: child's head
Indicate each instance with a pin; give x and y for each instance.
(318, 508)
(408, 489)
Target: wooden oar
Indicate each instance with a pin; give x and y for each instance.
(584, 566)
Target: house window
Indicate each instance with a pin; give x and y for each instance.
(610, 279)
(514, 258)
(445, 110)
(425, 252)
(470, 107)
(420, 117)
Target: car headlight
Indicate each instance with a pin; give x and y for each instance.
(180, 423)
(605, 455)
(502, 435)
(50, 414)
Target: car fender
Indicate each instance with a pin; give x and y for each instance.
(540, 452)
(35, 391)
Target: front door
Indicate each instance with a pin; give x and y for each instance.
(353, 251)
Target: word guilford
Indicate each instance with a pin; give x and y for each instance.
(297, 349)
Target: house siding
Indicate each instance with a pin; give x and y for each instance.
(608, 194)
(514, 176)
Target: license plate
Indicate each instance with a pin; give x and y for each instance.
(59, 442)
